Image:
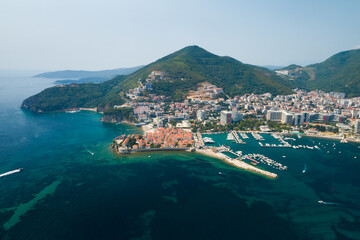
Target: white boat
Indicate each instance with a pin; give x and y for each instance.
(284, 156)
(72, 111)
(208, 140)
(11, 172)
(304, 171)
(230, 137)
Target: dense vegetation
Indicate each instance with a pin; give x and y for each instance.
(59, 98)
(119, 114)
(192, 65)
(324, 128)
(83, 80)
(339, 73)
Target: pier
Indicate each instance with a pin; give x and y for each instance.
(237, 163)
(236, 137)
(237, 154)
(200, 139)
(257, 136)
(243, 135)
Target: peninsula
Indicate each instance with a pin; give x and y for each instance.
(177, 139)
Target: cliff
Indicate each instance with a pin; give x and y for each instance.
(119, 115)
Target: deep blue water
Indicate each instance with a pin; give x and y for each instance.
(64, 192)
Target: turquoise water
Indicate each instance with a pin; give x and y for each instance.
(64, 192)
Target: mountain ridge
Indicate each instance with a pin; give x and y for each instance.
(338, 73)
(195, 64)
(185, 69)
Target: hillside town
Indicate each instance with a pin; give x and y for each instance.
(207, 109)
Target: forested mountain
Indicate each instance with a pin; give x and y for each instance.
(192, 65)
(339, 73)
(184, 69)
(87, 95)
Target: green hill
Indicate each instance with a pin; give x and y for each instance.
(88, 95)
(192, 65)
(290, 67)
(184, 70)
(339, 73)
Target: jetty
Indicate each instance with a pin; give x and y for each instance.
(243, 135)
(257, 136)
(200, 139)
(236, 137)
(236, 162)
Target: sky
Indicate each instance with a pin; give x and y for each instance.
(105, 34)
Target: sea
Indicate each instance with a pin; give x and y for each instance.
(73, 186)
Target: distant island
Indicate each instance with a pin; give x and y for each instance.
(77, 74)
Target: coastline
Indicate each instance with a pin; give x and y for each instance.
(88, 109)
(237, 163)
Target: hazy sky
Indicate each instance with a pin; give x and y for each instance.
(104, 34)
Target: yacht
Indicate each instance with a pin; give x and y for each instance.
(304, 171)
(208, 140)
(230, 137)
(72, 111)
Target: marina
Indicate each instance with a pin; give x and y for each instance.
(253, 159)
(208, 140)
(257, 136)
(255, 154)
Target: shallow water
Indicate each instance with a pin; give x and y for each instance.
(64, 192)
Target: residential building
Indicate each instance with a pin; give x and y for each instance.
(273, 115)
(225, 117)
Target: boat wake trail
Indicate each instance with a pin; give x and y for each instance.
(89, 151)
(331, 203)
(10, 172)
(304, 171)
